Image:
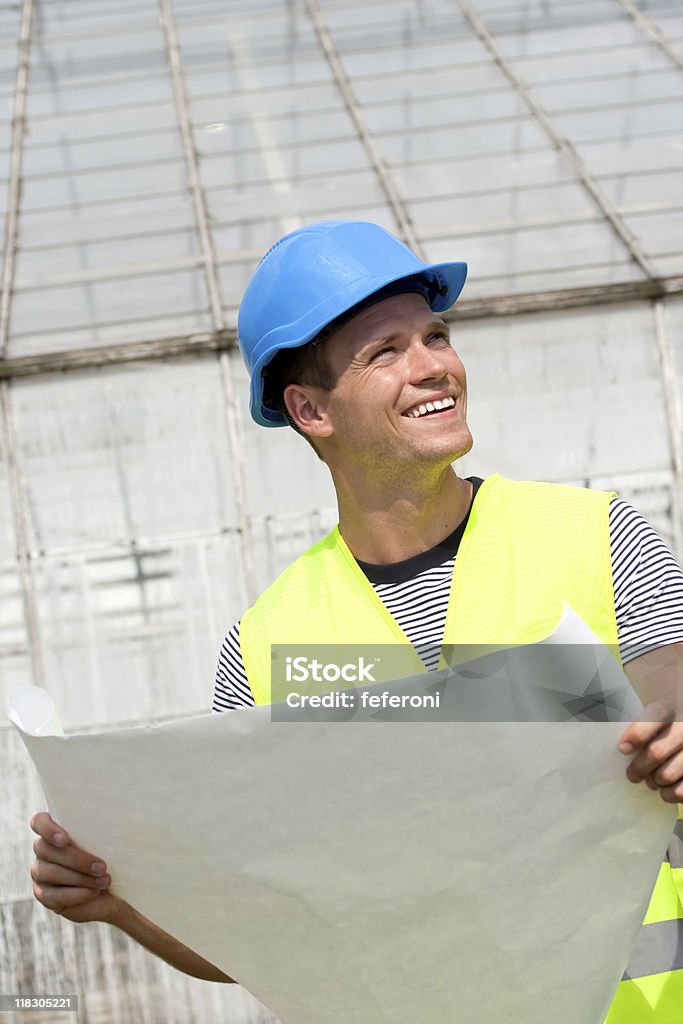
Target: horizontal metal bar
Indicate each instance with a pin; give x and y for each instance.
(406, 45)
(216, 190)
(350, 5)
(104, 553)
(294, 146)
(567, 298)
(108, 355)
(323, 176)
(370, 47)
(225, 22)
(115, 273)
(146, 26)
(192, 22)
(126, 79)
(219, 341)
(373, 76)
(389, 133)
(238, 117)
(541, 221)
(150, 27)
(141, 547)
(121, 271)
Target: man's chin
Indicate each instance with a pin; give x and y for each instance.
(460, 447)
(445, 457)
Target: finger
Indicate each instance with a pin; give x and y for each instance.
(657, 752)
(60, 897)
(44, 825)
(54, 874)
(672, 794)
(70, 857)
(653, 718)
(670, 773)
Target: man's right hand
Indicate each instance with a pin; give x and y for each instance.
(67, 879)
(74, 884)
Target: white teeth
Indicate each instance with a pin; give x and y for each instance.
(440, 403)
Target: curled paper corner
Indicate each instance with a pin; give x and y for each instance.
(571, 629)
(32, 710)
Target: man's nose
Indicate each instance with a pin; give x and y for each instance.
(426, 362)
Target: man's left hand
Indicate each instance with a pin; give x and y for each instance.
(656, 739)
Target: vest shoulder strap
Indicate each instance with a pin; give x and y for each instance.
(529, 548)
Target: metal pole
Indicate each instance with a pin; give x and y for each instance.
(515, 304)
(213, 288)
(11, 233)
(563, 145)
(14, 188)
(674, 411)
(21, 541)
(397, 205)
(649, 27)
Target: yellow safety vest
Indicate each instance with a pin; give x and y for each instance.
(527, 549)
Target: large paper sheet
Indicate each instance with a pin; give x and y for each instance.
(384, 873)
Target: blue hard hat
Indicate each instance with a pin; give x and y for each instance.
(315, 275)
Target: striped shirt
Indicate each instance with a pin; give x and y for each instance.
(648, 599)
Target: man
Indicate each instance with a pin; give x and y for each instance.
(340, 330)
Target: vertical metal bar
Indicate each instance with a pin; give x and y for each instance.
(213, 288)
(8, 265)
(673, 408)
(275, 167)
(646, 25)
(563, 145)
(14, 187)
(192, 163)
(395, 201)
(21, 541)
(239, 477)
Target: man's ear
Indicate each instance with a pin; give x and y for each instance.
(307, 405)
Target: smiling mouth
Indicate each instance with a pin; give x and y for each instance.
(430, 408)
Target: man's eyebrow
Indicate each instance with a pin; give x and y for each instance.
(382, 339)
(439, 325)
(433, 325)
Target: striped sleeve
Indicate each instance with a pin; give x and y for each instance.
(231, 688)
(648, 584)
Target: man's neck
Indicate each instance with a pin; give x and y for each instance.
(383, 526)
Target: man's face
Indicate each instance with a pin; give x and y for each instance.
(401, 391)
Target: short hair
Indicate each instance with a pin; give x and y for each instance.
(307, 364)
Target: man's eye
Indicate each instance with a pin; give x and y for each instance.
(439, 338)
(383, 352)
